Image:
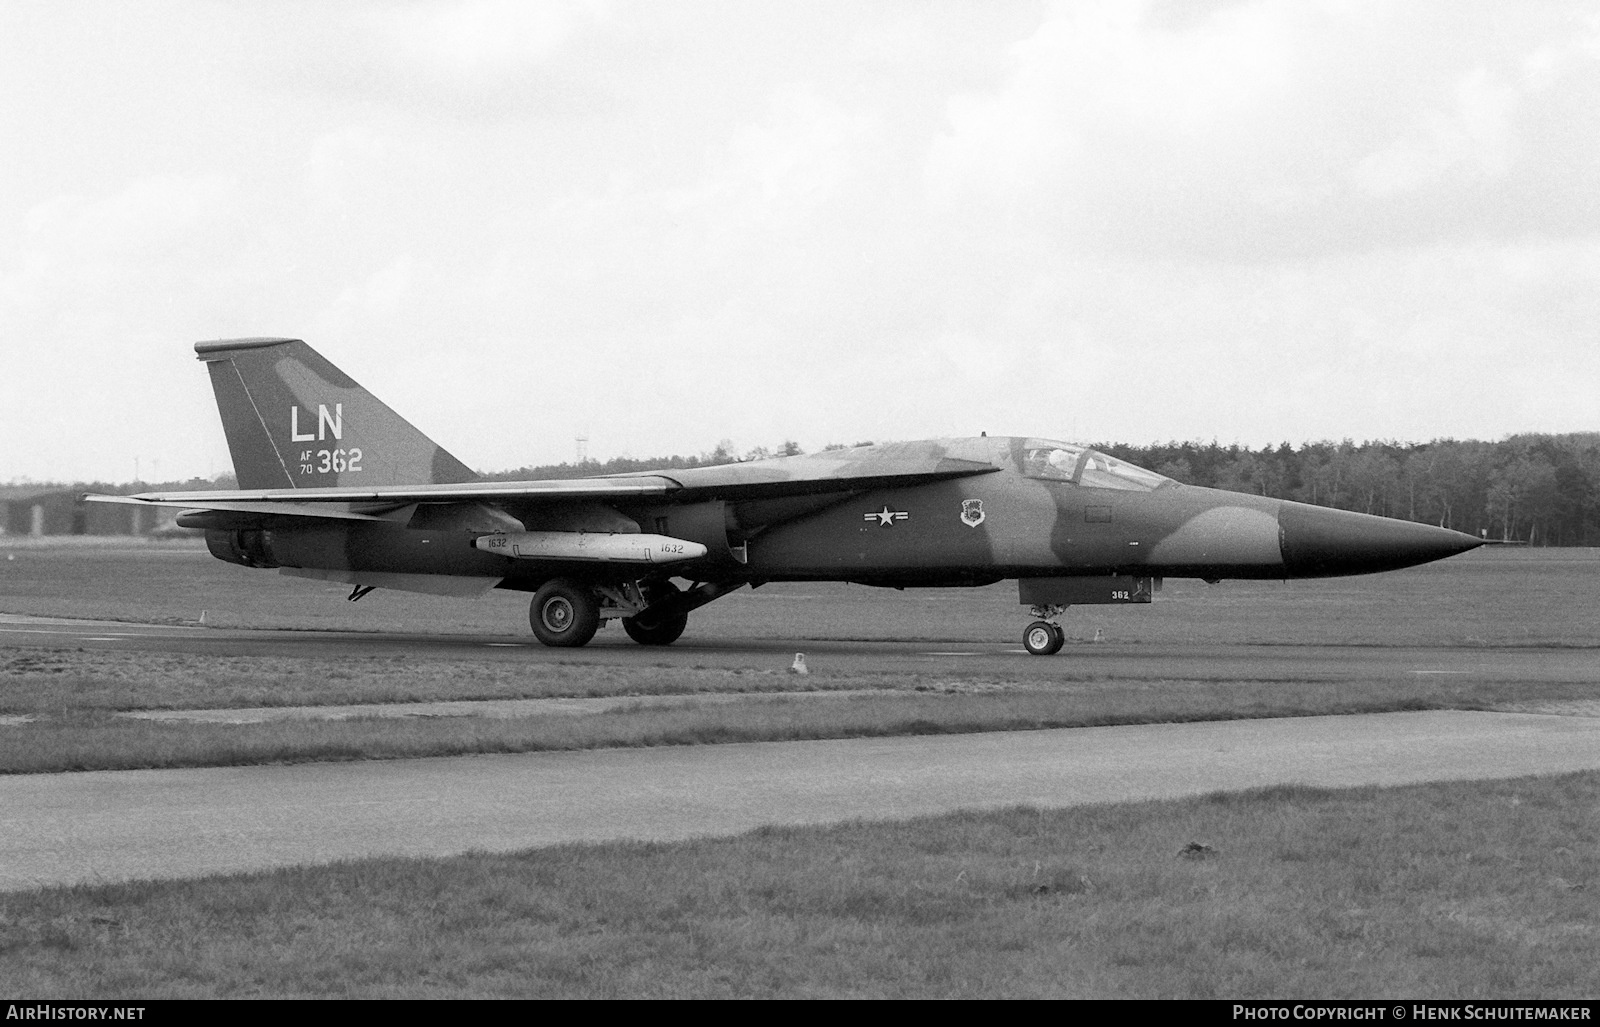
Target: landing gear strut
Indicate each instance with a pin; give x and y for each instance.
(648, 628)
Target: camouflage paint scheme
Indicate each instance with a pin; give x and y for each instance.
(336, 485)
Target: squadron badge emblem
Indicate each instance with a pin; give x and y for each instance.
(972, 512)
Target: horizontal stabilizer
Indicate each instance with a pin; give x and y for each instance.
(322, 511)
(582, 488)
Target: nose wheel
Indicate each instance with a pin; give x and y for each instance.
(1043, 638)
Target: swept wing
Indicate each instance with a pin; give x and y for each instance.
(884, 467)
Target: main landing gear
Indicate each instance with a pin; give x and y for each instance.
(1044, 637)
(652, 626)
(566, 613)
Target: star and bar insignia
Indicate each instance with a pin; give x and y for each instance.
(886, 517)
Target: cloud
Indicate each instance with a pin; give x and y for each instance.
(780, 171)
(481, 42)
(1474, 139)
(483, 59)
(1103, 82)
(370, 307)
(342, 163)
(96, 287)
(148, 217)
(1264, 130)
(77, 250)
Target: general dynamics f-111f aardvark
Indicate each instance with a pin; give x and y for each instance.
(336, 486)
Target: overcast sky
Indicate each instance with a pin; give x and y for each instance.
(664, 224)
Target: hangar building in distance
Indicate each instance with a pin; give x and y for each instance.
(56, 510)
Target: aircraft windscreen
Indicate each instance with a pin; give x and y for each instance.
(1062, 461)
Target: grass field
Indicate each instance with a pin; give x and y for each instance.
(1483, 890)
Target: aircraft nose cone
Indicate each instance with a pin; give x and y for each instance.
(1320, 542)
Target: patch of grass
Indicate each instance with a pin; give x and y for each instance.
(45, 681)
(88, 738)
(1304, 892)
(34, 681)
(72, 692)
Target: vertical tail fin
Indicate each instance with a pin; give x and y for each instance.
(293, 420)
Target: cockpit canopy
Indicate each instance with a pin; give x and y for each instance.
(1063, 461)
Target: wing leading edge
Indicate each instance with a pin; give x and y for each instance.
(736, 482)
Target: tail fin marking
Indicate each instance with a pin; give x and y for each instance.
(293, 418)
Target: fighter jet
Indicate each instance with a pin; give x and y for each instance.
(335, 486)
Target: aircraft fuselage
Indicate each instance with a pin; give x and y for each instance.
(970, 530)
(334, 485)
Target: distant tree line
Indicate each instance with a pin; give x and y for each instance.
(1541, 489)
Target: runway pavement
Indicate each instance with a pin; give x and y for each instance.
(68, 828)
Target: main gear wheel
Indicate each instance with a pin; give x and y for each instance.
(1043, 638)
